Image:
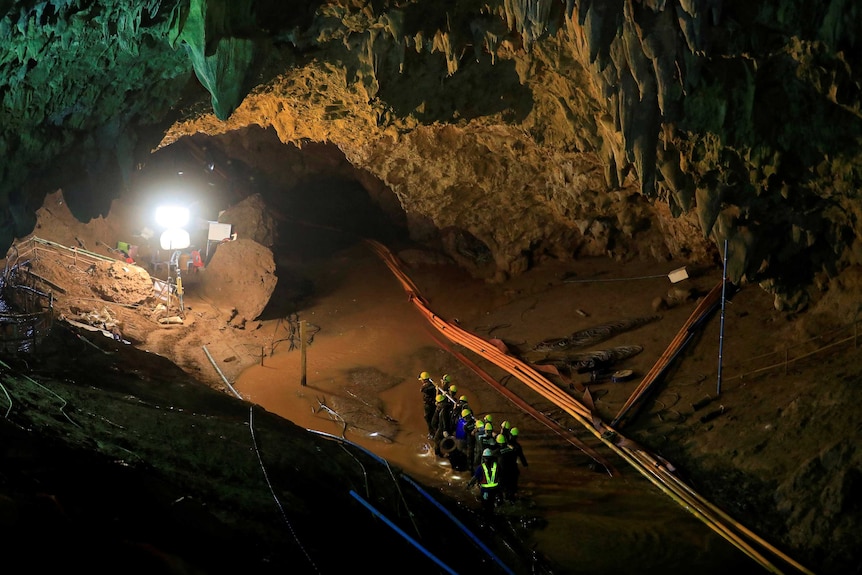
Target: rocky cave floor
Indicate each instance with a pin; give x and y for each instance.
(777, 449)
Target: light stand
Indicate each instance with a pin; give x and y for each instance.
(175, 265)
(175, 240)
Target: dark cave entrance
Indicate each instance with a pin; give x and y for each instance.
(322, 203)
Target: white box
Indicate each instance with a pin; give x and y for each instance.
(678, 275)
(218, 232)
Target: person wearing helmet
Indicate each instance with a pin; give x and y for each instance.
(441, 422)
(458, 406)
(486, 475)
(429, 396)
(506, 429)
(461, 404)
(508, 469)
(456, 448)
(478, 437)
(464, 434)
(516, 445)
(499, 443)
(487, 440)
(488, 418)
(447, 379)
(510, 472)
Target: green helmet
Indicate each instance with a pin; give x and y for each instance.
(424, 375)
(488, 418)
(447, 378)
(465, 412)
(489, 427)
(501, 438)
(514, 432)
(506, 425)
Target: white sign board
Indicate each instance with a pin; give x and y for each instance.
(218, 232)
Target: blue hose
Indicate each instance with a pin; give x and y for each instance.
(404, 535)
(463, 527)
(428, 496)
(348, 442)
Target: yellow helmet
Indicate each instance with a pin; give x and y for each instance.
(501, 438)
(424, 375)
(447, 378)
(453, 389)
(488, 418)
(465, 412)
(506, 425)
(440, 397)
(463, 398)
(489, 427)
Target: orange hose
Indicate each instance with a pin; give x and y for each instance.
(647, 465)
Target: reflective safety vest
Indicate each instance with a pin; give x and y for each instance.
(490, 477)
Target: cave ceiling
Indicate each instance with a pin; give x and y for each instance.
(661, 129)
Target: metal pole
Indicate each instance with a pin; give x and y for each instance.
(303, 380)
(721, 328)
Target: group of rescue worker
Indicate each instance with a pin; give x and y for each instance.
(471, 443)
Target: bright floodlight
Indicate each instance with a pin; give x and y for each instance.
(174, 239)
(172, 216)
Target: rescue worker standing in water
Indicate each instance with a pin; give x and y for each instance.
(464, 435)
(440, 422)
(486, 476)
(514, 472)
(485, 440)
(429, 395)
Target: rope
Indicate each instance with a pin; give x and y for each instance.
(52, 392)
(9, 398)
(614, 279)
(379, 459)
(272, 491)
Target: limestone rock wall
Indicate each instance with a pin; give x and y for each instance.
(633, 129)
(657, 128)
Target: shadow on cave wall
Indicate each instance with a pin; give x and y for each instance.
(317, 219)
(420, 84)
(479, 88)
(322, 203)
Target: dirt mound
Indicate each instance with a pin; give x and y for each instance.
(241, 275)
(120, 282)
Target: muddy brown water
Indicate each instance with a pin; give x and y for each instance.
(362, 368)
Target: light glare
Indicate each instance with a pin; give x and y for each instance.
(174, 239)
(172, 216)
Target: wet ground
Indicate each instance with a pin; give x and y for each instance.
(362, 368)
